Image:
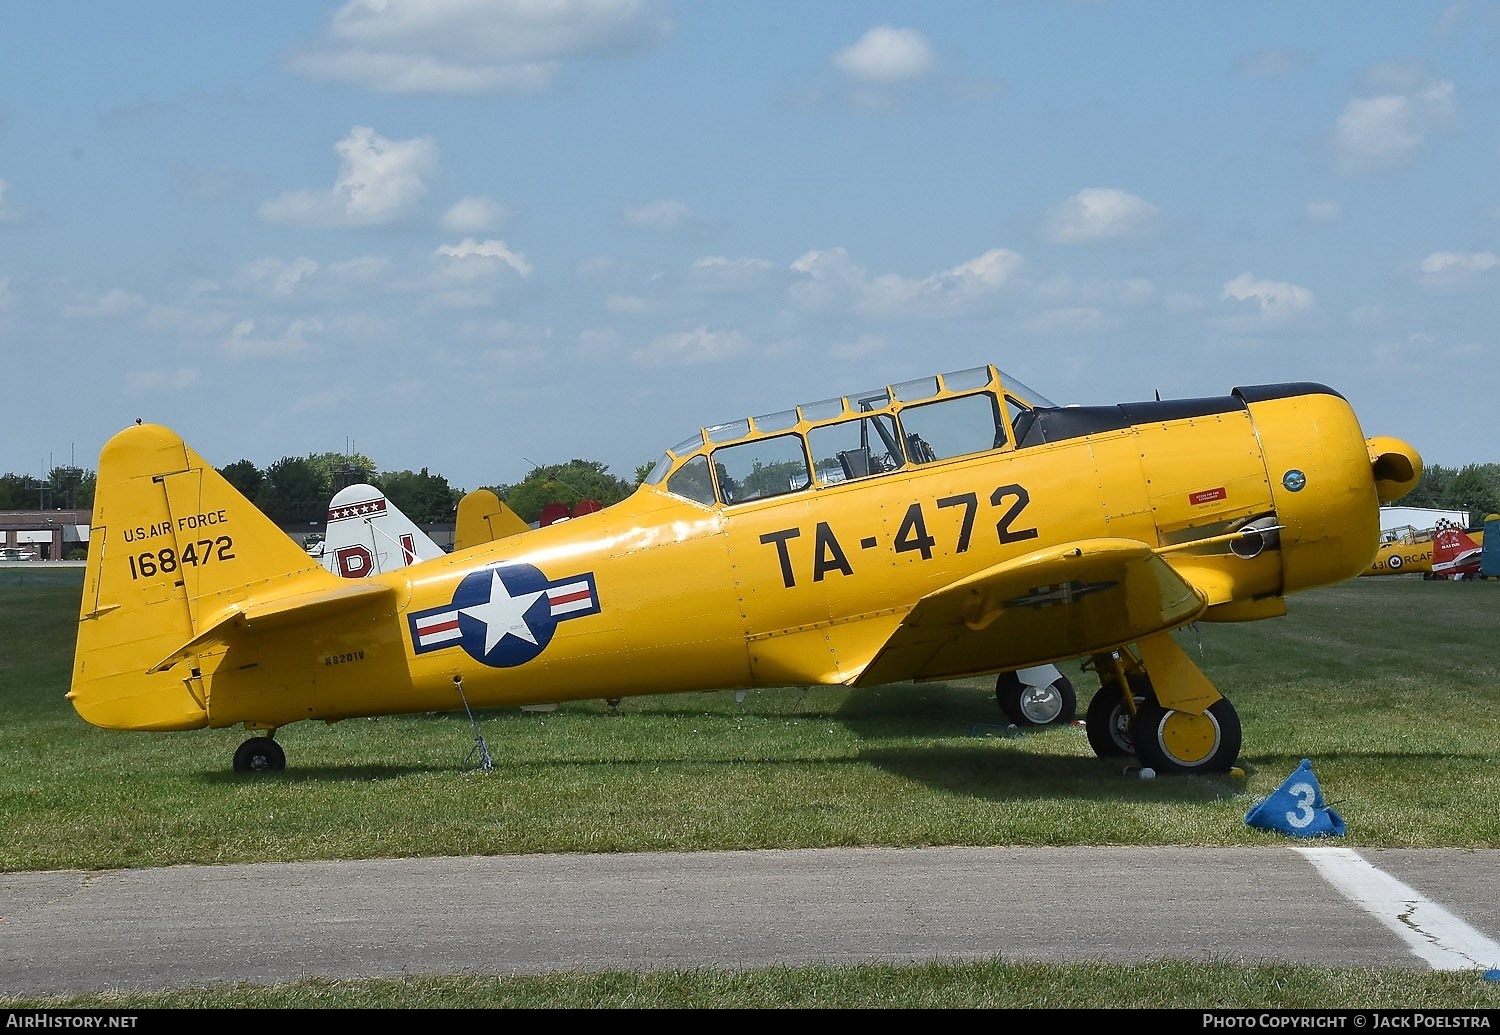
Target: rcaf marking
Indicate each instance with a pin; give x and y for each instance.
(504, 616)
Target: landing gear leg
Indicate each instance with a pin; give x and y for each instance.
(1111, 712)
(1186, 725)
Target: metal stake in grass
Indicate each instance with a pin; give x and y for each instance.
(485, 762)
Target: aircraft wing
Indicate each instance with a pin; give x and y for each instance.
(278, 611)
(1057, 603)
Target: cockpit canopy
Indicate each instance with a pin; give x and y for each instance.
(847, 437)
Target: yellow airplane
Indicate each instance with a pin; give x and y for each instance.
(1403, 551)
(953, 526)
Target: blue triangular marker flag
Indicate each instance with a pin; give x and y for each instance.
(1297, 808)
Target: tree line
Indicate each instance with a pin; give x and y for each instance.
(296, 490)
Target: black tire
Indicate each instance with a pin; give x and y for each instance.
(1052, 705)
(1107, 721)
(1178, 742)
(259, 755)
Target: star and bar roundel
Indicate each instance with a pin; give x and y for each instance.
(503, 616)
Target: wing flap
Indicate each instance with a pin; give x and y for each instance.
(1050, 605)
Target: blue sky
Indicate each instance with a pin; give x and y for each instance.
(474, 235)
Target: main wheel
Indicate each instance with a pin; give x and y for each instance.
(259, 755)
(1179, 742)
(1027, 705)
(1108, 721)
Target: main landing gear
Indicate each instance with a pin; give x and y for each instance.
(1186, 726)
(259, 755)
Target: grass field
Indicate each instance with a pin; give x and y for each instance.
(1385, 684)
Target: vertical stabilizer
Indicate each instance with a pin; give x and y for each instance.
(173, 547)
(1455, 554)
(483, 518)
(368, 534)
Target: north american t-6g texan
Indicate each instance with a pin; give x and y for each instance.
(953, 526)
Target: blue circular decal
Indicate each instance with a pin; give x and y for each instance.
(504, 615)
(1294, 480)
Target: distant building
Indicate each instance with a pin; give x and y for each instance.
(47, 535)
(1419, 518)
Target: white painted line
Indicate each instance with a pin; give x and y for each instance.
(1432, 933)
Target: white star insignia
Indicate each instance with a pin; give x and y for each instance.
(503, 614)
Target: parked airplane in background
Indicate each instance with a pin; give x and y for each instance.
(367, 534)
(952, 526)
(1403, 551)
(1456, 553)
(483, 518)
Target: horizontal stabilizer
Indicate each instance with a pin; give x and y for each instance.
(250, 616)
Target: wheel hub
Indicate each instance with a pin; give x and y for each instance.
(1188, 739)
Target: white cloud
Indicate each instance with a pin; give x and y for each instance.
(244, 341)
(474, 215)
(1386, 130)
(379, 180)
(1100, 214)
(691, 347)
(831, 280)
(1274, 301)
(277, 278)
(472, 46)
(467, 274)
(1443, 262)
(1456, 271)
(471, 259)
(720, 272)
(663, 216)
(886, 54)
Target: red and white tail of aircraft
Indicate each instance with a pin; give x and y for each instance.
(1455, 554)
(368, 534)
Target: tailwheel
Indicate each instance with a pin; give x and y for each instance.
(1025, 704)
(1108, 722)
(1170, 741)
(259, 755)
